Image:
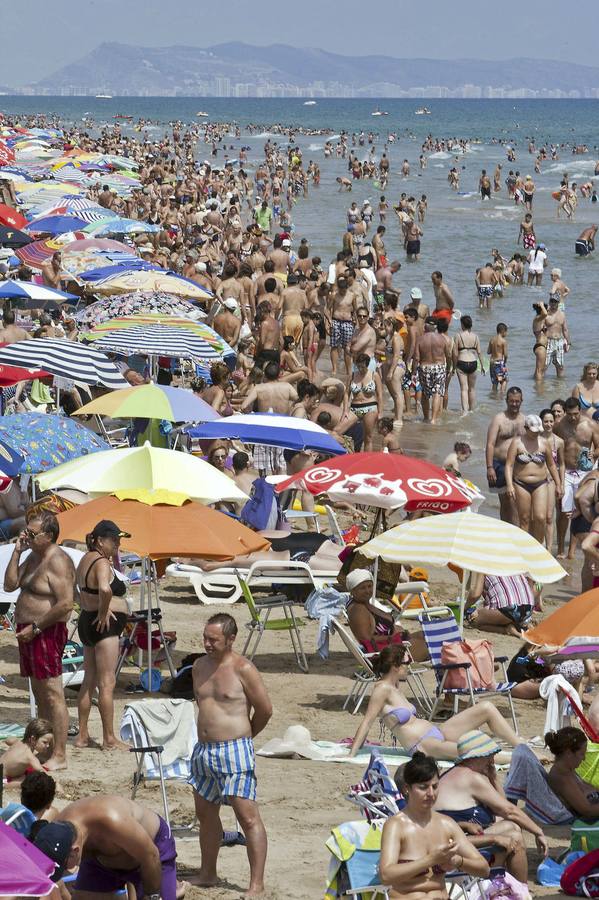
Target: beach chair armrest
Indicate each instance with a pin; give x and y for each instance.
(501, 659)
(158, 748)
(445, 667)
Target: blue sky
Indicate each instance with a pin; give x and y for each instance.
(40, 36)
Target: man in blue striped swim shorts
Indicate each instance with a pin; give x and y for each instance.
(233, 707)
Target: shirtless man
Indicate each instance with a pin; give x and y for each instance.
(422, 310)
(268, 342)
(233, 707)
(293, 301)
(485, 281)
(51, 270)
(341, 307)
(444, 302)
(431, 362)
(10, 332)
(338, 418)
(227, 324)
(364, 337)
(271, 396)
(581, 448)
(280, 257)
(585, 242)
(502, 428)
(230, 286)
(412, 235)
(558, 337)
(384, 279)
(114, 841)
(47, 583)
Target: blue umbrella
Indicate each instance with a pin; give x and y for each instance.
(119, 225)
(57, 224)
(10, 462)
(45, 441)
(272, 430)
(118, 268)
(27, 290)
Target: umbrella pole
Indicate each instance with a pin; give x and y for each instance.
(375, 524)
(146, 575)
(465, 577)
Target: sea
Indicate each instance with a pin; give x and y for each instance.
(459, 231)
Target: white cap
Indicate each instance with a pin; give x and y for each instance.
(286, 243)
(533, 423)
(416, 293)
(200, 267)
(356, 577)
(230, 303)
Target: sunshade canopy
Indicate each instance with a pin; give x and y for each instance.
(151, 401)
(66, 359)
(270, 429)
(579, 617)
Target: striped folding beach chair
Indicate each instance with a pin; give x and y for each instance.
(438, 631)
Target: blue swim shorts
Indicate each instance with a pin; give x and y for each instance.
(223, 769)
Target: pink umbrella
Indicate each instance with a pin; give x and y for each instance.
(24, 869)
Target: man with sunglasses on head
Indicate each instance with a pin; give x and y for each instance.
(46, 583)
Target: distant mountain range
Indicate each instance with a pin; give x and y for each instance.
(238, 69)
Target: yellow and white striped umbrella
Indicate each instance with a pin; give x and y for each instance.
(469, 540)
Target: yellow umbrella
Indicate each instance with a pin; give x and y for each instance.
(153, 498)
(151, 280)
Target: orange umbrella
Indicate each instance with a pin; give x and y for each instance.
(163, 531)
(579, 617)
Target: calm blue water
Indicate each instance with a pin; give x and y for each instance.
(459, 231)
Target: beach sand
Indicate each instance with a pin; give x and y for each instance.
(300, 800)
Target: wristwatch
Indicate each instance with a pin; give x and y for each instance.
(153, 896)
(36, 629)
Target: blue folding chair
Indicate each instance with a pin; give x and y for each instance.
(439, 631)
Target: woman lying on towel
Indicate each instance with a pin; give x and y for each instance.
(396, 713)
(569, 746)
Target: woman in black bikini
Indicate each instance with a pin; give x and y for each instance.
(466, 357)
(528, 465)
(539, 329)
(101, 620)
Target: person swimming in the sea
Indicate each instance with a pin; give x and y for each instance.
(390, 705)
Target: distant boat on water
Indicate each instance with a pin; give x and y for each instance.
(423, 111)
(310, 103)
(379, 112)
(103, 96)
(202, 114)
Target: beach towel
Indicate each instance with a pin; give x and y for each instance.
(357, 841)
(558, 709)
(297, 743)
(527, 781)
(11, 730)
(323, 604)
(168, 722)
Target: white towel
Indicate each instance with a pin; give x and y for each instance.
(556, 716)
(169, 722)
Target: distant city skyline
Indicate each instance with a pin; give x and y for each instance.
(39, 38)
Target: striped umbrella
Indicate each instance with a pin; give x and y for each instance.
(27, 290)
(471, 541)
(161, 336)
(137, 303)
(65, 359)
(147, 280)
(112, 224)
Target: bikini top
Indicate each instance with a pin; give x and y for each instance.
(585, 403)
(538, 457)
(118, 587)
(368, 388)
(401, 714)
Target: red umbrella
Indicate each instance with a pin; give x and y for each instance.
(386, 481)
(11, 217)
(10, 375)
(6, 154)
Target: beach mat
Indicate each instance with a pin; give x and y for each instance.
(11, 731)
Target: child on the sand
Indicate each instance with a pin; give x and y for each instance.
(27, 755)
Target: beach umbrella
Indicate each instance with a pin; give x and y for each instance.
(27, 290)
(12, 237)
(269, 429)
(24, 870)
(159, 530)
(11, 217)
(161, 336)
(149, 468)
(77, 263)
(66, 359)
(117, 268)
(152, 280)
(11, 462)
(151, 401)
(57, 224)
(10, 375)
(137, 303)
(44, 441)
(386, 481)
(470, 541)
(119, 225)
(578, 618)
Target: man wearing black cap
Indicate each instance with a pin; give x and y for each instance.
(115, 842)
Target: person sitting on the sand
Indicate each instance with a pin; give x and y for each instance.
(569, 747)
(27, 755)
(507, 604)
(391, 706)
(472, 796)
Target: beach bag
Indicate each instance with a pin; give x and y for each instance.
(503, 886)
(262, 512)
(584, 835)
(479, 654)
(581, 878)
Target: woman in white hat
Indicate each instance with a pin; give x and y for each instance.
(528, 465)
(371, 627)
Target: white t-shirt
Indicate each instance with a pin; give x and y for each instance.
(536, 261)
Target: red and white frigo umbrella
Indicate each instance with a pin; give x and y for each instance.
(387, 481)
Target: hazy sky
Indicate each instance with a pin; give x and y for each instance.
(40, 36)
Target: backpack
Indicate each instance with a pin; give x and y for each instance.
(479, 654)
(584, 836)
(581, 878)
(262, 512)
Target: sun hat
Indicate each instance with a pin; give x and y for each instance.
(533, 423)
(356, 577)
(416, 293)
(476, 745)
(297, 741)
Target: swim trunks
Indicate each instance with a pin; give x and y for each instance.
(223, 769)
(485, 292)
(413, 248)
(293, 327)
(341, 333)
(499, 467)
(582, 248)
(41, 658)
(445, 314)
(498, 372)
(433, 378)
(555, 352)
(572, 479)
(94, 876)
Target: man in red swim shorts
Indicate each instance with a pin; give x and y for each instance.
(46, 579)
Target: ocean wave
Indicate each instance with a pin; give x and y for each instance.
(440, 155)
(313, 147)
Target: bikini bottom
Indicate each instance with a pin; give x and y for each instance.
(433, 732)
(532, 486)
